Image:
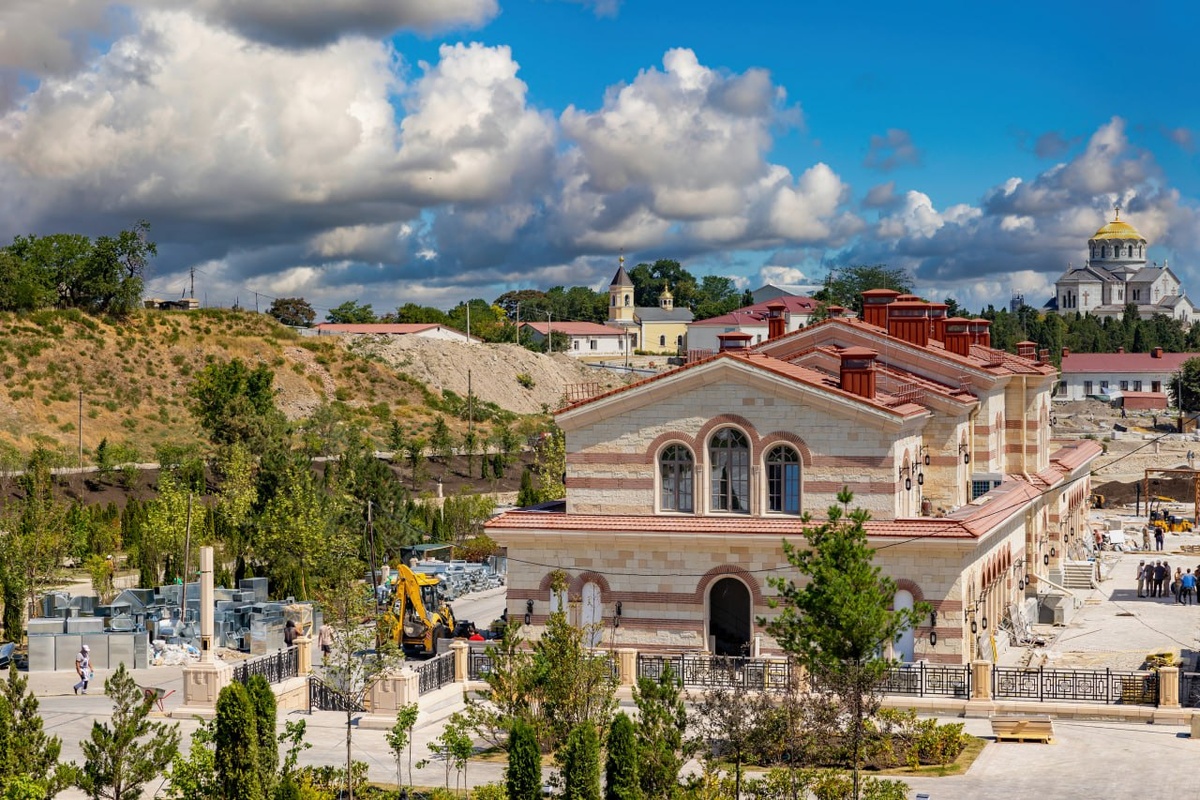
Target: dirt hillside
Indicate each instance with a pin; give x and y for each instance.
(505, 374)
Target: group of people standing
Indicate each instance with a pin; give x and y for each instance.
(1154, 579)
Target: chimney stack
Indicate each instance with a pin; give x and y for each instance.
(1066, 352)
(909, 320)
(1120, 351)
(1157, 353)
(875, 303)
(958, 336)
(937, 315)
(733, 341)
(1027, 349)
(1044, 356)
(835, 312)
(776, 323)
(981, 332)
(858, 371)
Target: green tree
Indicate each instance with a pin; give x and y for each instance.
(1185, 386)
(38, 537)
(441, 441)
(649, 280)
(523, 775)
(717, 295)
(121, 758)
(622, 765)
(839, 622)
(844, 286)
(237, 763)
(234, 403)
(400, 736)
(552, 466)
(662, 721)
(292, 532)
(579, 763)
(526, 495)
(28, 757)
(350, 312)
(413, 313)
(262, 698)
(294, 311)
(195, 775)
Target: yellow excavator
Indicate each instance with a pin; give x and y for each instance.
(417, 616)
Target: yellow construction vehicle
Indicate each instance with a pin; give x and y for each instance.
(1097, 500)
(1169, 523)
(417, 616)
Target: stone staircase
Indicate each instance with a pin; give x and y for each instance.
(1079, 575)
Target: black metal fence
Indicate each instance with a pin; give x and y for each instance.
(435, 673)
(717, 671)
(275, 667)
(1075, 685)
(323, 697)
(922, 680)
(479, 665)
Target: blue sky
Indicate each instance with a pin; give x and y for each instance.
(427, 151)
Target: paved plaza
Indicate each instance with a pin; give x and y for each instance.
(1087, 760)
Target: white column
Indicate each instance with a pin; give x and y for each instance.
(206, 604)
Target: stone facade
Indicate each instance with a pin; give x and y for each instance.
(681, 489)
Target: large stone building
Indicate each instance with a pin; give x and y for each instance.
(1116, 274)
(650, 329)
(680, 489)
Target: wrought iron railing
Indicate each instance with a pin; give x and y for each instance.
(323, 697)
(717, 671)
(1076, 685)
(275, 667)
(923, 679)
(479, 664)
(435, 673)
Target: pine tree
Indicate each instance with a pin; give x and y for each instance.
(526, 496)
(662, 720)
(26, 752)
(237, 758)
(579, 763)
(121, 758)
(621, 767)
(523, 776)
(262, 698)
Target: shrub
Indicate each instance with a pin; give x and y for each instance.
(526, 380)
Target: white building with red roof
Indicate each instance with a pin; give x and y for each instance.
(425, 330)
(1113, 374)
(584, 338)
(680, 489)
(790, 313)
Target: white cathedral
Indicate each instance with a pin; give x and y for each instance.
(1116, 274)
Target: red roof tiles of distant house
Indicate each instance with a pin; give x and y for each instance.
(757, 314)
(1075, 363)
(573, 328)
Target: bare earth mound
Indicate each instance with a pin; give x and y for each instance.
(493, 370)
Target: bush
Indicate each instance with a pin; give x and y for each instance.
(526, 380)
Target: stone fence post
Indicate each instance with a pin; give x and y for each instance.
(627, 666)
(981, 680)
(460, 650)
(1168, 687)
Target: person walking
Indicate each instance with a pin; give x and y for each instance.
(1158, 538)
(83, 668)
(1177, 586)
(325, 640)
(1141, 578)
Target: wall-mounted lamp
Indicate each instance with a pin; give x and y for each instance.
(974, 627)
(1053, 552)
(933, 618)
(920, 479)
(528, 611)
(1021, 583)
(925, 455)
(1028, 580)
(933, 638)
(617, 617)
(983, 623)
(965, 451)
(906, 470)
(1046, 559)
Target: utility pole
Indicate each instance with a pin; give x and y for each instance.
(517, 338)
(549, 334)
(468, 320)
(81, 431)
(187, 548)
(374, 576)
(470, 416)
(192, 276)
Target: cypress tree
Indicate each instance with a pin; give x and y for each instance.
(523, 777)
(263, 700)
(580, 764)
(237, 761)
(621, 767)
(526, 496)
(662, 720)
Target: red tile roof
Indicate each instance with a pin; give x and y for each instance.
(1076, 454)
(918, 528)
(574, 328)
(1078, 363)
(757, 314)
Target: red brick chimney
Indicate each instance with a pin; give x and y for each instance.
(1044, 356)
(1157, 353)
(858, 371)
(1027, 349)
(875, 303)
(981, 332)
(835, 312)
(776, 322)
(958, 335)
(1066, 352)
(909, 320)
(733, 341)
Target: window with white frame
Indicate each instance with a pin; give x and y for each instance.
(783, 480)
(729, 465)
(677, 476)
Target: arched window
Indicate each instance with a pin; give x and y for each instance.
(662, 341)
(675, 467)
(729, 462)
(628, 299)
(783, 480)
(614, 299)
(679, 341)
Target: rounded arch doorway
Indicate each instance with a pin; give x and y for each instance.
(729, 617)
